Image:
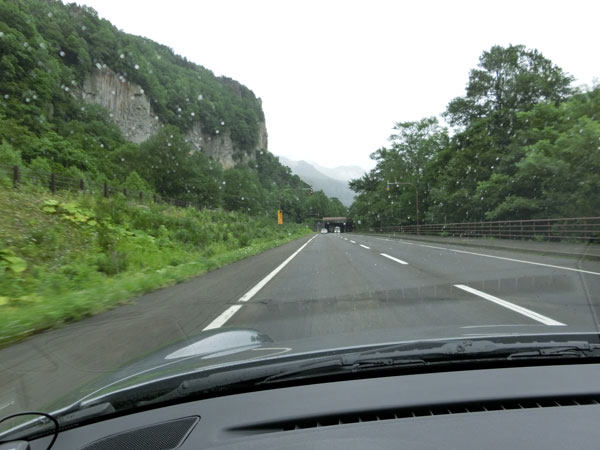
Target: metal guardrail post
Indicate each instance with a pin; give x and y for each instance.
(53, 183)
(105, 190)
(81, 185)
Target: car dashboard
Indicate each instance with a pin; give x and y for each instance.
(556, 406)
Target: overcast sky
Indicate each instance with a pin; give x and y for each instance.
(335, 76)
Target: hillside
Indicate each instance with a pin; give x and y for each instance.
(333, 187)
(82, 99)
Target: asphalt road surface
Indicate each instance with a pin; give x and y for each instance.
(340, 285)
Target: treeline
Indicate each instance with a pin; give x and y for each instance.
(46, 51)
(523, 144)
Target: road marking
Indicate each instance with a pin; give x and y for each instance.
(6, 405)
(224, 317)
(526, 312)
(229, 312)
(252, 292)
(345, 239)
(354, 242)
(505, 259)
(393, 259)
(364, 246)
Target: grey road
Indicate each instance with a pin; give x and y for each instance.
(347, 286)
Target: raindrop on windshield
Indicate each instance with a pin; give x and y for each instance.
(49, 14)
(200, 97)
(61, 53)
(122, 56)
(136, 67)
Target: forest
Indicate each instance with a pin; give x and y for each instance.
(522, 143)
(47, 49)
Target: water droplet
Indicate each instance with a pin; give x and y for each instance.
(99, 66)
(61, 53)
(141, 91)
(217, 131)
(192, 114)
(27, 99)
(83, 28)
(222, 122)
(67, 88)
(224, 182)
(1, 33)
(122, 56)
(200, 97)
(49, 14)
(136, 67)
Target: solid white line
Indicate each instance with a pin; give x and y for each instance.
(503, 258)
(6, 405)
(252, 292)
(229, 312)
(393, 259)
(224, 317)
(364, 246)
(526, 312)
(354, 242)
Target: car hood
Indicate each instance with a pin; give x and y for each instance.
(230, 347)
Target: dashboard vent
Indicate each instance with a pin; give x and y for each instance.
(161, 436)
(407, 413)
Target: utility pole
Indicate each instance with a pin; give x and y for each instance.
(396, 183)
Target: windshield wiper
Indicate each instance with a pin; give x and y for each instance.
(389, 357)
(400, 356)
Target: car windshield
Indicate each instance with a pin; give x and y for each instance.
(208, 186)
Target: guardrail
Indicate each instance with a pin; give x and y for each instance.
(574, 228)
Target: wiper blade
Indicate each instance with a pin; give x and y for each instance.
(382, 358)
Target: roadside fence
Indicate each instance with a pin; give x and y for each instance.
(563, 229)
(55, 182)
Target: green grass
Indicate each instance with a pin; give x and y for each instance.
(84, 254)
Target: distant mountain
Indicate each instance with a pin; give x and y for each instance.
(334, 183)
(342, 173)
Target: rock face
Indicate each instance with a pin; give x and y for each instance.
(130, 109)
(126, 102)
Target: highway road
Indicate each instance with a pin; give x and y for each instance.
(342, 288)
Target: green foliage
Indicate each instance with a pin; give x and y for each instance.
(67, 256)
(525, 146)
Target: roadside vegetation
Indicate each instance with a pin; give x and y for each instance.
(523, 143)
(67, 256)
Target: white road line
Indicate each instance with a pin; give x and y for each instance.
(503, 258)
(6, 405)
(252, 292)
(229, 312)
(224, 317)
(364, 246)
(393, 259)
(526, 312)
(354, 242)
(345, 239)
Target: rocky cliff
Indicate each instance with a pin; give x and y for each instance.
(130, 108)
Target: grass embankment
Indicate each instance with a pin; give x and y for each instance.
(66, 256)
